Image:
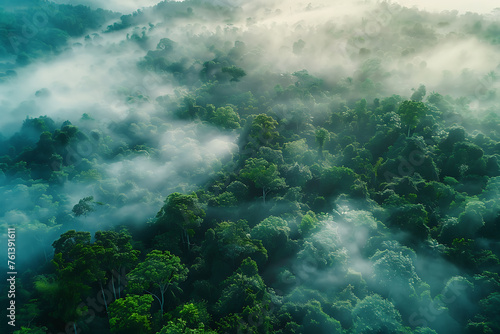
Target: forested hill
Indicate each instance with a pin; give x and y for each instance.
(263, 167)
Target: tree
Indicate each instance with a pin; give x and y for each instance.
(243, 288)
(376, 315)
(181, 212)
(235, 72)
(179, 326)
(411, 113)
(69, 240)
(76, 263)
(418, 94)
(412, 218)
(84, 206)
(31, 330)
(161, 271)
(308, 223)
(298, 175)
(226, 118)
(118, 254)
(131, 315)
(322, 135)
(234, 242)
(263, 129)
(308, 318)
(189, 318)
(273, 232)
(263, 174)
(395, 272)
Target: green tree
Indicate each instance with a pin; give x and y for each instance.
(273, 232)
(412, 218)
(263, 129)
(308, 223)
(84, 206)
(31, 330)
(191, 316)
(322, 135)
(161, 271)
(181, 212)
(418, 94)
(76, 264)
(393, 271)
(411, 113)
(236, 73)
(243, 288)
(226, 118)
(118, 254)
(376, 315)
(233, 240)
(131, 315)
(179, 326)
(265, 175)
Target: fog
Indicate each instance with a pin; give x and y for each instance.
(122, 6)
(484, 6)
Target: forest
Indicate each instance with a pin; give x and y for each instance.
(249, 167)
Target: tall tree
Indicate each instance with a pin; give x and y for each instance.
(160, 272)
(131, 315)
(182, 212)
(226, 118)
(411, 112)
(118, 255)
(263, 129)
(322, 135)
(76, 262)
(265, 175)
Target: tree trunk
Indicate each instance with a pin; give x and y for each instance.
(113, 283)
(264, 194)
(409, 130)
(104, 298)
(162, 302)
(74, 327)
(119, 286)
(187, 238)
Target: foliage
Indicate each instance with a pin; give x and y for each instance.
(131, 314)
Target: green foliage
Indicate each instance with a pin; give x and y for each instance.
(263, 130)
(374, 314)
(179, 327)
(84, 206)
(411, 113)
(395, 271)
(263, 174)
(235, 243)
(236, 73)
(308, 223)
(131, 314)
(243, 288)
(273, 232)
(226, 118)
(160, 272)
(322, 135)
(412, 218)
(31, 330)
(182, 213)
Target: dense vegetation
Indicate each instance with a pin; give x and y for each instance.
(242, 194)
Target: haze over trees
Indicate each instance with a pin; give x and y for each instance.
(250, 167)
